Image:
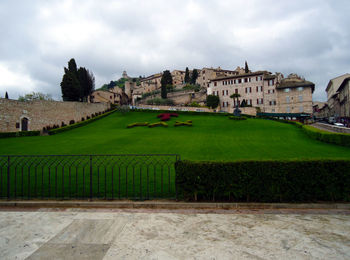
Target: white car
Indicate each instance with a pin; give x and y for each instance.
(339, 124)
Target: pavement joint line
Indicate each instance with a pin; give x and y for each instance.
(171, 205)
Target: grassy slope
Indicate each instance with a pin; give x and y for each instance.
(210, 138)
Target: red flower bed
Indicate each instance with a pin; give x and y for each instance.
(167, 116)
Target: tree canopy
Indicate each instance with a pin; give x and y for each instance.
(246, 69)
(77, 84)
(35, 96)
(6, 95)
(213, 101)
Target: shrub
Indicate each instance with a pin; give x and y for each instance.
(264, 181)
(79, 124)
(186, 123)
(158, 124)
(137, 124)
(328, 137)
(237, 117)
(19, 134)
(71, 122)
(160, 101)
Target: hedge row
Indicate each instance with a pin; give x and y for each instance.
(182, 112)
(264, 181)
(328, 137)
(19, 134)
(237, 117)
(321, 135)
(79, 124)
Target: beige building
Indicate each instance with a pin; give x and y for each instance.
(151, 83)
(112, 96)
(333, 94)
(178, 77)
(344, 98)
(205, 75)
(294, 95)
(268, 92)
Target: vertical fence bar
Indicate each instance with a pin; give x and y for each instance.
(90, 176)
(8, 177)
(141, 181)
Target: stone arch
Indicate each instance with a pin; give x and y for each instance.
(24, 123)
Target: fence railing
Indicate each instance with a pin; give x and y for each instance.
(128, 176)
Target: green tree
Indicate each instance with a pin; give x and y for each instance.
(194, 76)
(6, 95)
(165, 81)
(35, 96)
(187, 75)
(246, 69)
(87, 83)
(213, 101)
(70, 87)
(235, 96)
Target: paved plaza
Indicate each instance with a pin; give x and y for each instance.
(160, 234)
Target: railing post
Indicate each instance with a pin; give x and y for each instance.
(90, 176)
(8, 177)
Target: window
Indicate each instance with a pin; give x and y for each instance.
(215, 84)
(301, 109)
(286, 90)
(271, 82)
(239, 81)
(226, 92)
(270, 103)
(300, 98)
(274, 102)
(234, 81)
(273, 110)
(223, 92)
(288, 110)
(236, 90)
(246, 80)
(287, 99)
(300, 88)
(257, 89)
(261, 88)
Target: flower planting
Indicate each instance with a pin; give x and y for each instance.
(137, 124)
(167, 116)
(186, 123)
(158, 124)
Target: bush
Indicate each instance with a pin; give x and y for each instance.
(166, 116)
(160, 101)
(186, 123)
(328, 137)
(19, 134)
(237, 117)
(137, 124)
(158, 124)
(264, 181)
(79, 124)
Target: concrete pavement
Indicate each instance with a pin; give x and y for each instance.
(75, 233)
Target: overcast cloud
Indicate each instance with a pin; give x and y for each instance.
(309, 37)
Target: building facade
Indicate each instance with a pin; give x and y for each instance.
(333, 101)
(269, 93)
(344, 98)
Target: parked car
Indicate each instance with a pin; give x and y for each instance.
(339, 124)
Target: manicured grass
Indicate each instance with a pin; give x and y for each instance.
(210, 138)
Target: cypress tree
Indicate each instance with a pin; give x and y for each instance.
(246, 69)
(6, 95)
(187, 75)
(194, 76)
(167, 80)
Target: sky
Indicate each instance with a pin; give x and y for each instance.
(39, 37)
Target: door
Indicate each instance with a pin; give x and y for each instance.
(24, 124)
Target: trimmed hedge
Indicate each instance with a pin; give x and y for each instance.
(137, 124)
(321, 135)
(237, 117)
(158, 124)
(264, 181)
(186, 123)
(79, 124)
(182, 112)
(328, 137)
(19, 134)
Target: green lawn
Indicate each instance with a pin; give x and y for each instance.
(210, 138)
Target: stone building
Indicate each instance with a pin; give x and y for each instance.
(178, 77)
(333, 101)
(34, 115)
(151, 83)
(268, 92)
(294, 95)
(344, 98)
(207, 74)
(112, 96)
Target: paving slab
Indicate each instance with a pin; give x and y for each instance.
(120, 234)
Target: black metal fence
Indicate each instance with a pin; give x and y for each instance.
(88, 176)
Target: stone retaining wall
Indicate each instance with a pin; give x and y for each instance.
(44, 113)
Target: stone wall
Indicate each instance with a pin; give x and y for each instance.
(44, 113)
